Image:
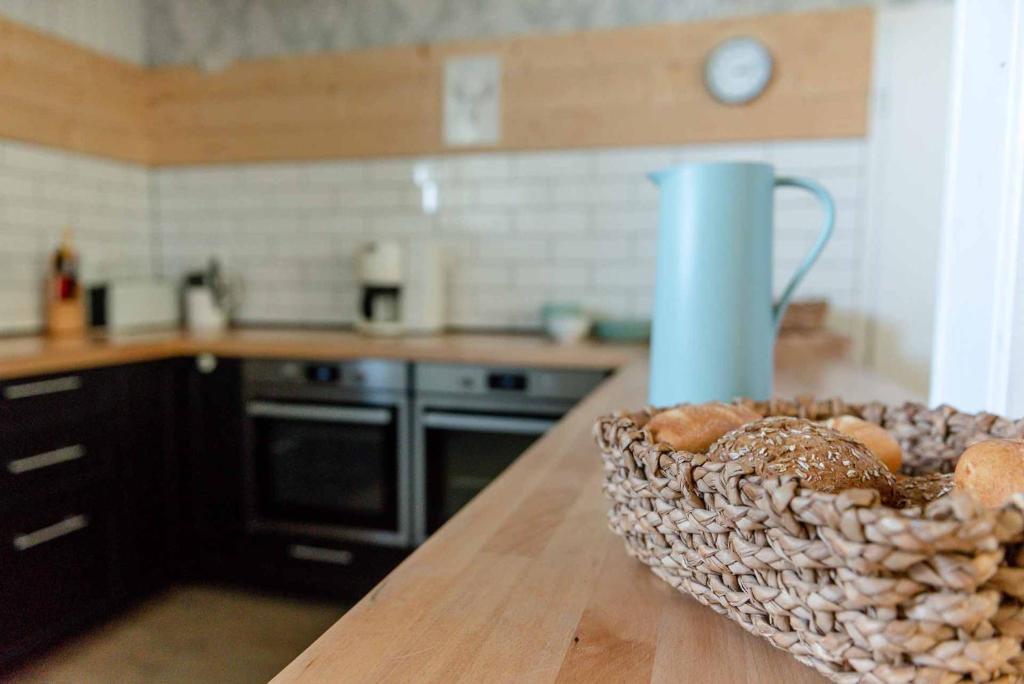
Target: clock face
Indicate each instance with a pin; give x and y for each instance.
(738, 70)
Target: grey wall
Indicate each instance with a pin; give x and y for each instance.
(213, 32)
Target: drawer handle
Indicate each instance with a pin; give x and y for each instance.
(68, 383)
(23, 542)
(46, 459)
(320, 554)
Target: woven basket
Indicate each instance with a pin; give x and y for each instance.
(859, 591)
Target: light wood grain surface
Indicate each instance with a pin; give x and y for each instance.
(62, 95)
(35, 355)
(627, 86)
(22, 356)
(527, 584)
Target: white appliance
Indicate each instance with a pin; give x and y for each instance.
(131, 305)
(210, 298)
(203, 313)
(401, 290)
(423, 301)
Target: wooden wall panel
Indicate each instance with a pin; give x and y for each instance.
(632, 86)
(57, 94)
(621, 87)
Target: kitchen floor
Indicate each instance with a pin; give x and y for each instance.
(193, 634)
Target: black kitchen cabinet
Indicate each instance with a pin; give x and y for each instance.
(58, 446)
(55, 569)
(211, 467)
(146, 477)
(315, 566)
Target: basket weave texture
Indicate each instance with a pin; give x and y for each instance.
(860, 591)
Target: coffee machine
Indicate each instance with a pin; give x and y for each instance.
(380, 288)
(399, 294)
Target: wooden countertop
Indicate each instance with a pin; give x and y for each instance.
(36, 355)
(22, 356)
(527, 584)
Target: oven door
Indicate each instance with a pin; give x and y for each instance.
(462, 452)
(326, 469)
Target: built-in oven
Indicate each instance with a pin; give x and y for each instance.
(327, 451)
(472, 422)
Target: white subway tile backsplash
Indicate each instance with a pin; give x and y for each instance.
(474, 221)
(481, 166)
(753, 152)
(633, 162)
(591, 249)
(521, 228)
(818, 154)
(44, 191)
(552, 221)
(518, 193)
(552, 164)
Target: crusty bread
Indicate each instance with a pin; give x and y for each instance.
(919, 490)
(693, 427)
(991, 470)
(875, 437)
(821, 457)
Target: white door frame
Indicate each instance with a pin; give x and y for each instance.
(979, 328)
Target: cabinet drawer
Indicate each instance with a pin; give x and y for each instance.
(43, 401)
(39, 461)
(54, 567)
(317, 566)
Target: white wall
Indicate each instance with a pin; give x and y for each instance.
(44, 190)
(523, 228)
(215, 31)
(113, 27)
(907, 145)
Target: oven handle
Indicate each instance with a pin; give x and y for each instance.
(319, 413)
(478, 423)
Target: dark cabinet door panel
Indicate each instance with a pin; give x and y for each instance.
(34, 462)
(55, 563)
(146, 478)
(42, 401)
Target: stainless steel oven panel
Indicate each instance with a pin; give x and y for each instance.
(493, 404)
(517, 415)
(466, 380)
(514, 425)
(356, 374)
(320, 413)
(372, 400)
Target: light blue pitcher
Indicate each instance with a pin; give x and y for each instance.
(714, 328)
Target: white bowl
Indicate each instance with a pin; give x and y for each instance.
(568, 329)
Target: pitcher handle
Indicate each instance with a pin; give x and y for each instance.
(779, 308)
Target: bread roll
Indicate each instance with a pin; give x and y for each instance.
(991, 471)
(694, 427)
(919, 490)
(875, 437)
(821, 457)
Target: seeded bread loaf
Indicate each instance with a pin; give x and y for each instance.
(820, 457)
(693, 427)
(921, 489)
(875, 437)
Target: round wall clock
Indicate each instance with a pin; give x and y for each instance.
(738, 70)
